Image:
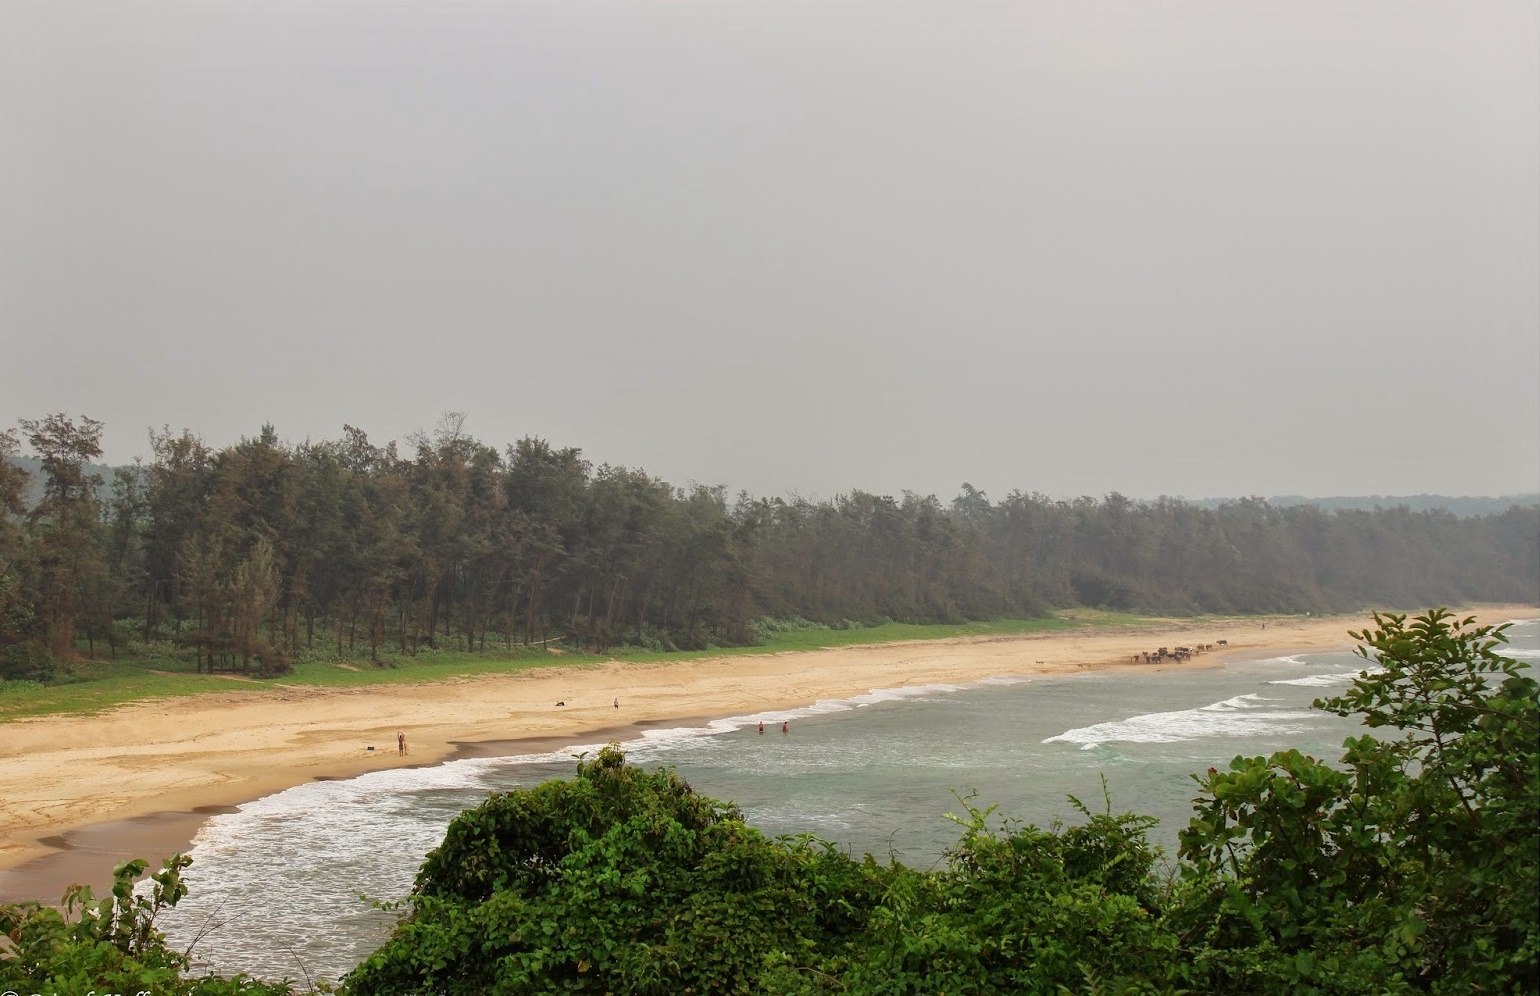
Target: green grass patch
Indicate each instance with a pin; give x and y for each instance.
(96, 685)
(430, 665)
(26, 698)
(1108, 617)
(814, 639)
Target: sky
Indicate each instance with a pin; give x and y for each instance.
(794, 248)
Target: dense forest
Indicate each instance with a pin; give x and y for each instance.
(249, 556)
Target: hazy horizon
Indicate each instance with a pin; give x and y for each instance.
(1219, 249)
(1329, 502)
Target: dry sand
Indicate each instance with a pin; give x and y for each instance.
(80, 792)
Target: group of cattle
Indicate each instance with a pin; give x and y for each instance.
(1177, 653)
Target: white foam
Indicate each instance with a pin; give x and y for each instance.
(677, 736)
(1249, 701)
(1520, 653)
(1287, 659)
(1241, 716)
(877, 695)
(1319, 680)
(351, 806)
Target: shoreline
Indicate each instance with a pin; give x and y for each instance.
(142, 779)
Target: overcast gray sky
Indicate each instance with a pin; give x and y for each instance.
(1194, 248)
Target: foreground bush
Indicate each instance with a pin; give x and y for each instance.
(1411, 866)
(108, 945)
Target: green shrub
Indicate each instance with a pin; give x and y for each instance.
(1413, 865)
(107, 945)
(27, 662)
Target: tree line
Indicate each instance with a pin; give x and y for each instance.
(249, 556)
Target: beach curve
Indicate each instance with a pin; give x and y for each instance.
(78, 792)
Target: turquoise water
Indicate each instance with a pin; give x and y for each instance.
(279, 881)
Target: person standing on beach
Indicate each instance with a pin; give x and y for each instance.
(401, 744)
(784, 728)
(761, 726)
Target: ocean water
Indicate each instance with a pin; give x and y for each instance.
(283, 887)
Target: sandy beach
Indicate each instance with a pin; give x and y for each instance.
(78, 793)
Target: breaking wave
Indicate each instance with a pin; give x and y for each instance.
(1242, 716)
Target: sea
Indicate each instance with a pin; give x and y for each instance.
(299, 884)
